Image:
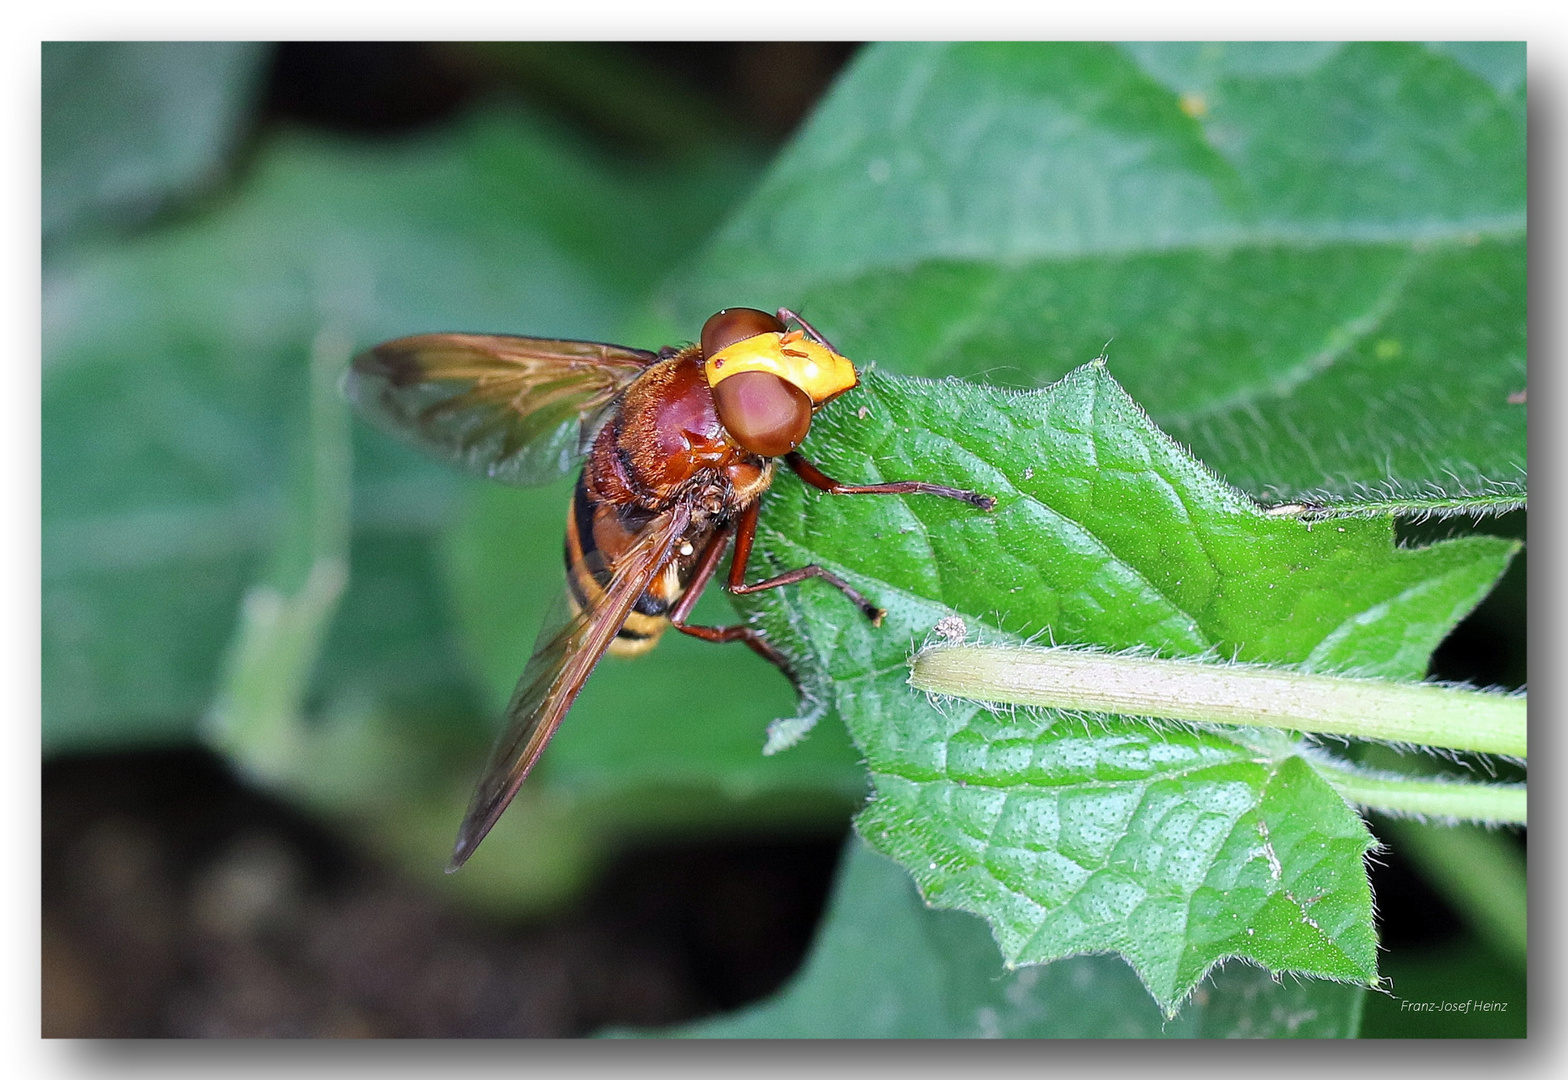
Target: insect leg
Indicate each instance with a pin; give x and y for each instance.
(737, 582)
(719, 634)
(819, 479)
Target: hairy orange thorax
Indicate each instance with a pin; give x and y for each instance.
(666, 436)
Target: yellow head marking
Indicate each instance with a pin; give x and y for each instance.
(819, 371)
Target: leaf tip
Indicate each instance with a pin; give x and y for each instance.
(785, 732)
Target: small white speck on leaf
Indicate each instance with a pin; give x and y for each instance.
(951, 628)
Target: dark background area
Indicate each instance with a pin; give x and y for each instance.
(179, 902)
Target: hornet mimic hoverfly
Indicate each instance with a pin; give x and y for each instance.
(679, 447)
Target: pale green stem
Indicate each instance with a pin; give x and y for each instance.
(1212, 693)
(1429, 796)
(1475, 506)
(255, 716)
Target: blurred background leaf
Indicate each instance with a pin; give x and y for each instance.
(131, 127)
(1305, 260)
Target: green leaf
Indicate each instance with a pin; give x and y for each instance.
(884, 965)
(130, 125)
(175, 372)
(1308, 259)
(1175, 847)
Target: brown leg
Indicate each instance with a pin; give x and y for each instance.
(819, 479)
(719, 634)
(745, 535)
(737, 582)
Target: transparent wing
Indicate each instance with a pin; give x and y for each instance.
(519, 410)
(565, 653)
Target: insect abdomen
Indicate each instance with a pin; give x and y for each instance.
(596, 534)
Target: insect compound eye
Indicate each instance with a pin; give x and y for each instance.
(736, 324)
(763, 412)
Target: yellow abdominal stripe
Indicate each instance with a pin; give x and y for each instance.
(793, 357)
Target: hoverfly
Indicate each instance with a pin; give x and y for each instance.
(680, 445)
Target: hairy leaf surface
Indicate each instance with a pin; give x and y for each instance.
(1173, 846)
